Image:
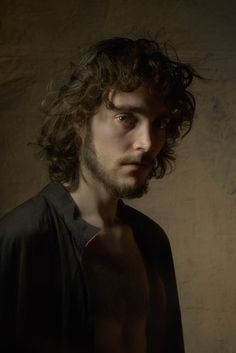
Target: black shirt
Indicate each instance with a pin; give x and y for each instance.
(44, 300)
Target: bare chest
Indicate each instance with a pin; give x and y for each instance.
(119, 291)
(116, 274)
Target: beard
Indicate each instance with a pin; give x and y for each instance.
(90, 160)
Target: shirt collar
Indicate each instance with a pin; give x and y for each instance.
(65, 206)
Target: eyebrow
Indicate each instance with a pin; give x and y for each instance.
(138, 109)
(130, 108)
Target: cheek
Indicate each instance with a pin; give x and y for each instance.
(106, 133)
(114, 141)
(109, 145)
(160, 140)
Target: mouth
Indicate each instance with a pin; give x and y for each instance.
(141, 165)
(137, 166)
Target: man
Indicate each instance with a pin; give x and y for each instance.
(81, 271)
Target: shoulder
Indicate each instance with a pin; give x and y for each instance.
(152, 241)
(151, 232)
(141, 218)
(27, 220)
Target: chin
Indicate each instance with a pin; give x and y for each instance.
(128, 191)
(136, 193)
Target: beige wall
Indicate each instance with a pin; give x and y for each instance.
(196, 204)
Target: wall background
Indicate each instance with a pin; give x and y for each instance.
(196, 204)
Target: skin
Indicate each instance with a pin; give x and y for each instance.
(125, 142)
(116, 159)
(119, 291)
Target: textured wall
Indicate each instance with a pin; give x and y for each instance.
(196, 204)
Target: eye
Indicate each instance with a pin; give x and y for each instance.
(128, 121)
(162, 123)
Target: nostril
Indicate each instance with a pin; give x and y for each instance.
(144, 143)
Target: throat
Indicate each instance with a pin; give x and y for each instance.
(96, 208)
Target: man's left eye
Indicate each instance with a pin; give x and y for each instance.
(162, 124)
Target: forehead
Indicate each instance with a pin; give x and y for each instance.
(142, 100)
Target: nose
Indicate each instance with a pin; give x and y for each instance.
(143, 140)
(149, 139)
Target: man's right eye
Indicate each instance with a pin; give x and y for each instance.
(126, 120)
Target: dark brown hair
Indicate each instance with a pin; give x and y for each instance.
(120, 64)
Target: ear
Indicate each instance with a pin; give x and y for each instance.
(78, 125)
(80, 130)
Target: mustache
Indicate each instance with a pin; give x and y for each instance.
(143, 159)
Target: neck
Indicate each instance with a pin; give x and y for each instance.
(96, 205)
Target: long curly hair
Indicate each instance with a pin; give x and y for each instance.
(120, 64)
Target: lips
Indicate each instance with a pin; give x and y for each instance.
(139, 164)
(136, 166)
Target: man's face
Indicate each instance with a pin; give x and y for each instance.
(121, 143)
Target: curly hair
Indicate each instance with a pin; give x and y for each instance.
(121, 64)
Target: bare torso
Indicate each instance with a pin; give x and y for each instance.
(119, 291)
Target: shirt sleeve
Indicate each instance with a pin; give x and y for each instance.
(30, 292)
